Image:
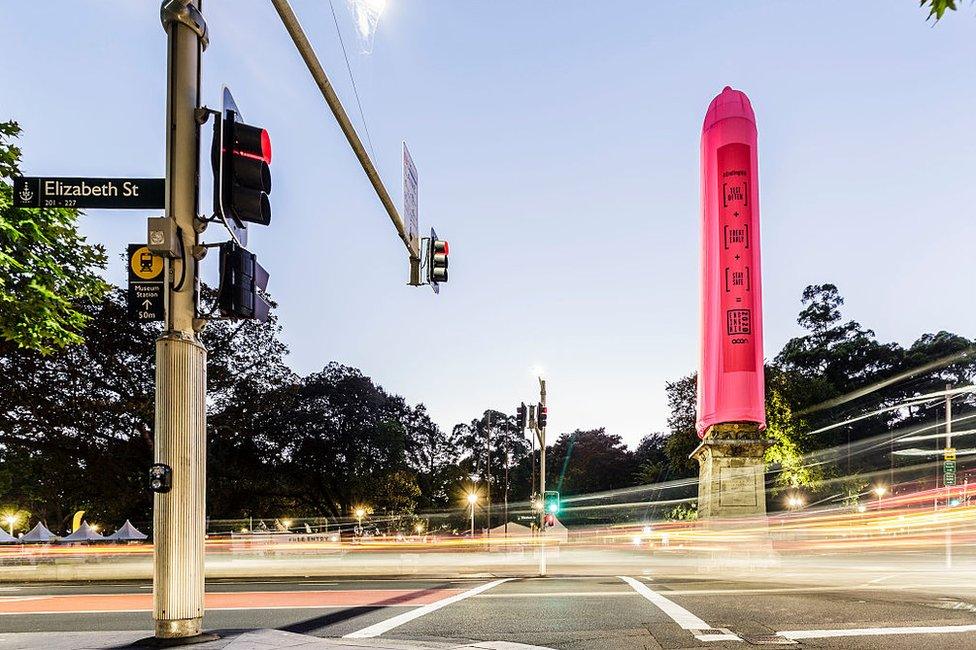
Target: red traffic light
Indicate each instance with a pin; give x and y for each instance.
(252, 142)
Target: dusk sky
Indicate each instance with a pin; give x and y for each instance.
(557, 148)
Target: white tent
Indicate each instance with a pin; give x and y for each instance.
(127, 533)
(85, 533)
(514, 530)
(7, 538)
(39, 534)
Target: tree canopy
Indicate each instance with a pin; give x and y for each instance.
(47, 270)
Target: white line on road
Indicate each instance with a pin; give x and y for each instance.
(562, 594)
(876, 631)
(688, 621)
(406, 617)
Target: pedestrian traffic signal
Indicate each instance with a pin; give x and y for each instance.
(241, 158)
(242, 281)
(160, 478)
(541, 415)
(550, 502)
(521, 417)
(550, 520)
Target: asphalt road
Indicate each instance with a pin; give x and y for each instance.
(606, 612)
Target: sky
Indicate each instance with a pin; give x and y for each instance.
(557, 149)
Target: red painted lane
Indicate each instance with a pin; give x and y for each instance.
(81, 603)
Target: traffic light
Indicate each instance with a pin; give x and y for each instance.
(437, 254)
(242, 280)
(521, 416)
(550, 520)
(241, 158)
(542, 414)
(550, 502)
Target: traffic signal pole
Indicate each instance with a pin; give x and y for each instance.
(541, 430)
(181, 361)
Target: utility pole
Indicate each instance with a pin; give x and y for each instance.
(181, 361)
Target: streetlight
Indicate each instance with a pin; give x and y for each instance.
(472, 499)
(360, 513)
(794, 502)
(10, 520)
(880, 490)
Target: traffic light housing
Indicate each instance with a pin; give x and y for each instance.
(242, 281)
(241, 158)
(521, 417)
(160, 478)
(541, 415)
(550, 503)
(438, 251)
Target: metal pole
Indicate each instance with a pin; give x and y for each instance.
(507, 462)
(542, 478)
(181, 361)
(472, 520)
(290, 21)
(948, 444)
(488, 469)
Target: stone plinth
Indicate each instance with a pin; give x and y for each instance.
(731, 474)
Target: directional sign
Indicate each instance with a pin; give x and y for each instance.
(411, 193)
(146, 284)
(71, 192)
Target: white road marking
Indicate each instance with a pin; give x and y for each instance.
(406, 617)
(876, 631)
(688, 621)
(561, 594)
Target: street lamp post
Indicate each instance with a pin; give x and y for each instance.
(10, 521)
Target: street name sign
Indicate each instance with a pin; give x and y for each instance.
(73, 192)
(146, 284)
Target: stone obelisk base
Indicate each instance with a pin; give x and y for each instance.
(732, 499)
(731, 477)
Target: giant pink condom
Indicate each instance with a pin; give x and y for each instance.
(730, 377)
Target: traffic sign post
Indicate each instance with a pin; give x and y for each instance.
(75, 192)
(145, 299)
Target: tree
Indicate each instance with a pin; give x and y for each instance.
(937, 8)
(588, 461)
(651, 459)
(47, 271)
(784, 455)
(683, 439)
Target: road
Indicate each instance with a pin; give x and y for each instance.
(636, 611)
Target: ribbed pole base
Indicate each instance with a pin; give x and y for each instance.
(179, 515)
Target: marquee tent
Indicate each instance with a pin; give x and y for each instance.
(127, 533)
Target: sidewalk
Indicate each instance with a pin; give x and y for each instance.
(232, 640)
